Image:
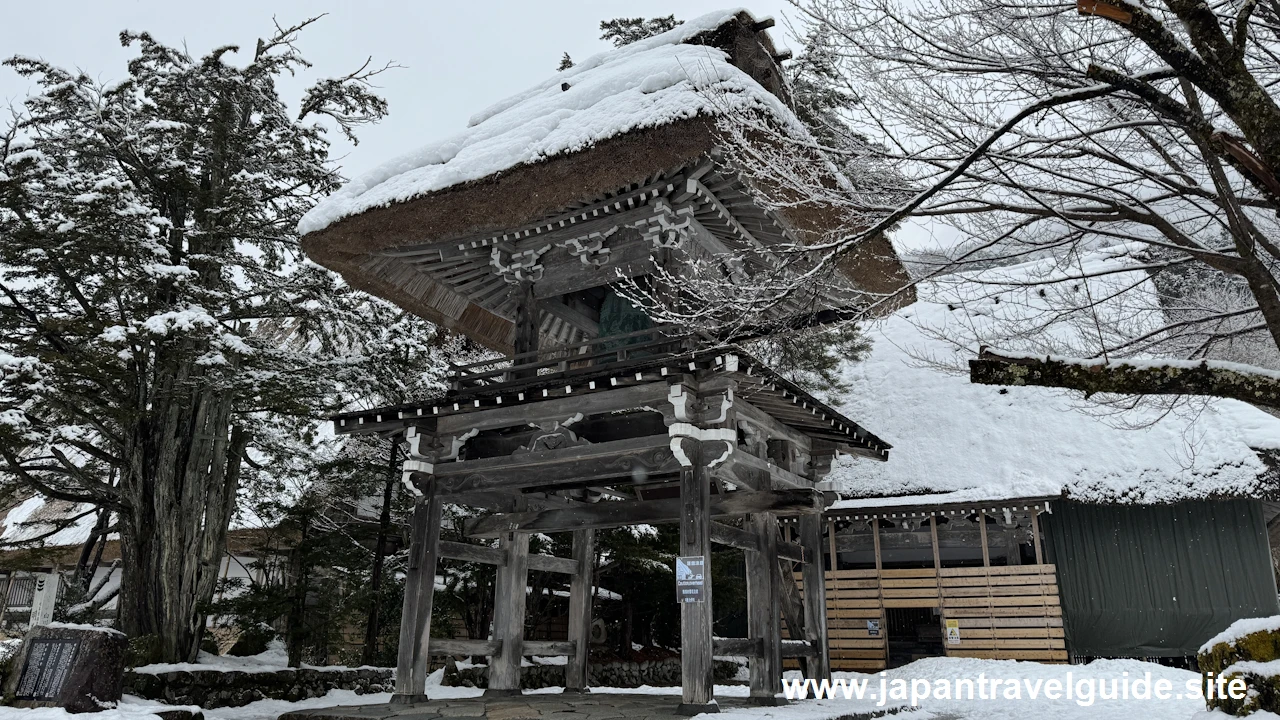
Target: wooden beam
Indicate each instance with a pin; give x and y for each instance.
(508, 615)
(579, 620)
(734, 537)
(789, 598)
(797, 649)
(566, 274)
(982, 533)
(831, 541)
(446, 646)
(548, 647)
(415, 614)
(571, 315)
(780, 476)
(634, 512)
(558, 409)
(472, 553)
(498, 501)
(875, 542)
(933, 538)
(771, 424)
(1035, 536)
(763, 610)
(746, 647)
(577, 465)
(815, 597)
(551, 563)
(697, 682)
(526, 330)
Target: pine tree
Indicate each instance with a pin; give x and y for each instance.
(624, 31)
(566, 62)
(162, 342)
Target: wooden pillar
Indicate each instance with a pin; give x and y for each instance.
(933, 537)
(508, 615)
(1035, 535)
(419, 591)
(698, 691)
(815, 595)
(584, 550)
(875, 543)
(982, 535)
(526, 338)
(764, 611)
(831, 540)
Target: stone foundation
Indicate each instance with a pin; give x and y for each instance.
(657, 673)
(216, 689)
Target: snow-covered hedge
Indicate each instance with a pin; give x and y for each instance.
(1248, 649)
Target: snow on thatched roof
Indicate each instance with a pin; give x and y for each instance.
(956, 442)
(647, 84)
(41, 521)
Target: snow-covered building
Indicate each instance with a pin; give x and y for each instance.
(1026, 522)
(584, 179)
(44, 536)
(521, 232)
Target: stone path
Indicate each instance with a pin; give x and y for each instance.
(597, 706)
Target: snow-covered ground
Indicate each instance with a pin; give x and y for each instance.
(1030, 677)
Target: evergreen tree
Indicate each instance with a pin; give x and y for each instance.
(566, 62)
(162, 342)
(624, 31)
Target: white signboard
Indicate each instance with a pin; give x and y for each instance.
(45, 599)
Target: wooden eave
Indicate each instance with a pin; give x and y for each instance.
(757, 384)
(923, 511)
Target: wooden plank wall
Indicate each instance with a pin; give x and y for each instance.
(1010, 613)
(853, 597)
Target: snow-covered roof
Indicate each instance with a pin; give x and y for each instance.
(956, 442)
(35, 517)
(646, 84)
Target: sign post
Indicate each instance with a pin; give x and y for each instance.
(953, 632)
(45, 599)
(691, 580)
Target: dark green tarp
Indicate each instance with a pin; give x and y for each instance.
(1158, 580)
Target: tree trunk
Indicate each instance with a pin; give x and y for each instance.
(1260, 389)
(372, 628)
(295, 633)
(178, 494)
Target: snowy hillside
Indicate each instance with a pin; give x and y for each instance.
(964, 442)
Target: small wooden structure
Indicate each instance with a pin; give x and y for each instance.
(652, 432)
(979, 569)
(585, 425)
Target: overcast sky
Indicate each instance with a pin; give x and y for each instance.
(459, 57)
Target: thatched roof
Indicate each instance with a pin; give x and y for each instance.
(632, 125)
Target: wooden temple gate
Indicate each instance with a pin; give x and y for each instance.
(607, 434)
(1009, 611)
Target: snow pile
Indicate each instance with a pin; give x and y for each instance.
(1270, 668)
(646, 84)
(82, 626)
(1241, 628)
(959, 442)
(273, 659)
(932, 670)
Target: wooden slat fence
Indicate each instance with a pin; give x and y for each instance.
(1011, 612)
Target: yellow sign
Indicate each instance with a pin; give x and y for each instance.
(953, 632)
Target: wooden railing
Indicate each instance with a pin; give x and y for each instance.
(659, 341)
